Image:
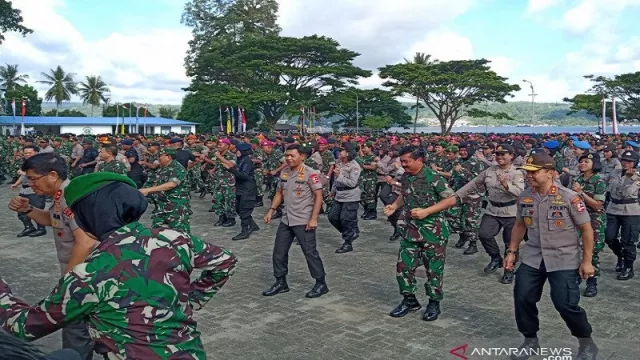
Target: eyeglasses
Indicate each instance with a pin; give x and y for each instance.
(34, 179)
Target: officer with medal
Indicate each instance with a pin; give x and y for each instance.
(300, 190)
(552, 216)
(623, 213)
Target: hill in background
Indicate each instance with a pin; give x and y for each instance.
(521, 112)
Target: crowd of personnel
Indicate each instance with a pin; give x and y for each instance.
(430, 186)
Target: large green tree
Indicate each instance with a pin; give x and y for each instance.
(167, 112)
(34, 103)
(625, 88)
(450, 89)
(10, 77)
(11, 20)
(424, 60)
(93, 91)
(111, 111)
(274, 74)
(65, 113)
(62, 85)
(373, 102)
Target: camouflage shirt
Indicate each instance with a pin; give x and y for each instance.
(174, 172)
(134, 291)
(327, 160)
(595, 188)
(273, 161)
(368, 175)
(113, 166)
(221, 173)
(471, 168)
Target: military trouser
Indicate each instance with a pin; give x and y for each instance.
(470, 219)
(259, 177)
(598, 224)
(175, 214)
(306, 239)
(490, 226)
(224, 200)
(453, 216)
(413, 254)
(344, 217)
(368, 197)
(36, 201)
(196, 181)
(629, 227)
(244, 208)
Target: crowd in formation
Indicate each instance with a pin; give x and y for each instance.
(566, 196)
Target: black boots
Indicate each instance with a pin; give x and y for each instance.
(221, 220)
(229, 221)
(28, 230)
(203, 193)
(432, 311)
(345, 248)
(507, 277)
(279, 287)
(370, 214)
(259, 202)
(530, 345)
(472, 249)
(627, 272)
(40, 231)
(494, 264)
(409, 303)
(587, 349)
(319, 289)
(461, 241)
(592, 287)
(395, 236)
(620, 265)
(246, 231)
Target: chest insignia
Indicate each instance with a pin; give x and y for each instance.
(558, 223)
(528, 221)
(527, 200)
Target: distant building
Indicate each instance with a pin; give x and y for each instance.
(94, 125)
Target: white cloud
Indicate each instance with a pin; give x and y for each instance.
(443, 45)
(535, 6)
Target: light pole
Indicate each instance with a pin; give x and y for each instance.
(533, 97)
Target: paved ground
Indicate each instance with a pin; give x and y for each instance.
(350, 322)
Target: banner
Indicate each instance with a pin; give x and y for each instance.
(228, 120)
(244, 120)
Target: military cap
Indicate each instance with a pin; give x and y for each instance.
(505, 149)
(551, 144)
(168, 151)
(84, 185)
(57, 138)
(582, 145)
(538, 161)
(629, 155)
(126, 142)
(610, 147)
(255, 141)
(243, 147)
(633, 144)
(453, 149)
(175, 140)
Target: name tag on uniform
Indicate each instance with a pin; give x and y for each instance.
(56, 216)
(300, 182)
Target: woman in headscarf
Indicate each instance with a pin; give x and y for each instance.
(134, 290)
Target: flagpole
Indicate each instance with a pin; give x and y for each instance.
(137, 111)
(117, 119)
(221, 127)
(233, 119)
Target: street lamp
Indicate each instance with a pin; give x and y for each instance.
(533, 96)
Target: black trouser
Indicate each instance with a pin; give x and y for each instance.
(307, 241)
(490, 227)
(36, 201)
(565, 295)
(344, 217)
(629, 227)
(244, 208)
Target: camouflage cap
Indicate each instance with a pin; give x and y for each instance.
(84, 185)
(168, 151)
(452, 149)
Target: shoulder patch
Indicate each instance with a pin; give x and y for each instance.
(314, 178)
(68, 213)
(579, 206)
(58, 195)
(576, 200)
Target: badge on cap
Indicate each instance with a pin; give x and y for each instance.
(530, 160)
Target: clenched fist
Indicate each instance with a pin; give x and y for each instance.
(19, 204)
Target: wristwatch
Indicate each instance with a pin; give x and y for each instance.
(29, 210)
(509, 251)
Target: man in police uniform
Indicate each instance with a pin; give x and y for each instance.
(300, 188)
(552, 215)
(47, 174)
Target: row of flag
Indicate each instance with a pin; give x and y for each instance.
(241, 113)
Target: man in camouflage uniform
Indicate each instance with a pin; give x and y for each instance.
(171, 194)
(258, 157)
(158, 297)
(328, 164)
(467, 169)
(438, 157)
(195, 172)
(150, 164)
(446, 170)
(424, 234)
(273, 161)
(109, 163)
(224, 190)
(368, 179)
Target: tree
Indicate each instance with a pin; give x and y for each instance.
(34, 103)
(589, 103)
(110, 111)
(65, 113)
(450, 89)
(93, 91)
(374, 102)
(425, 60)
(11, 20)
(62, 86)
(275, 74)
(376, 122)
(167, 112)
(228, 21)
(9, 76)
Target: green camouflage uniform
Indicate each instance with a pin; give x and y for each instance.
(224, 191)
(195, 173)
(310, 163)
(258, 175)
(152, 173)
(327, 161)
(135, 293)
(423, 241)
(368, 181)
(174, 208)
(113, 166)
(469, 212)
(595, 188)
(270, 163)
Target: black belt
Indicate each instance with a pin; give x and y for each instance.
(503, 204)
(624, 201)
(345, 188)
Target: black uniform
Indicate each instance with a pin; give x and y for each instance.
(246, 192)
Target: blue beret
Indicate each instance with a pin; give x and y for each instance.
(632, 143)
(551, 144)
(574, 138)
(235, 141)
(243, 147)
(126, 142)
(175, 140)
(582, 145)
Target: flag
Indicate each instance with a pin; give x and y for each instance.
(122, 126)
(614, 119)
(221, 126)
(244, 120)
(239, 126)
(13, 107)
(24, 112)
(302, 118)
(228, 120)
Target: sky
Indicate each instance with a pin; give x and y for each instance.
(138, 46)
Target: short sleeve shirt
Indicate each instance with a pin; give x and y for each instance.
(63, 224)
(298, 189)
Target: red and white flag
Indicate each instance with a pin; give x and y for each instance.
(24, 107)
(13, 107)
(243, 115)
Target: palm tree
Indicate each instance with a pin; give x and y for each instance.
(62, 86)
(419, 59)
(93, 91)
(9, 77)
